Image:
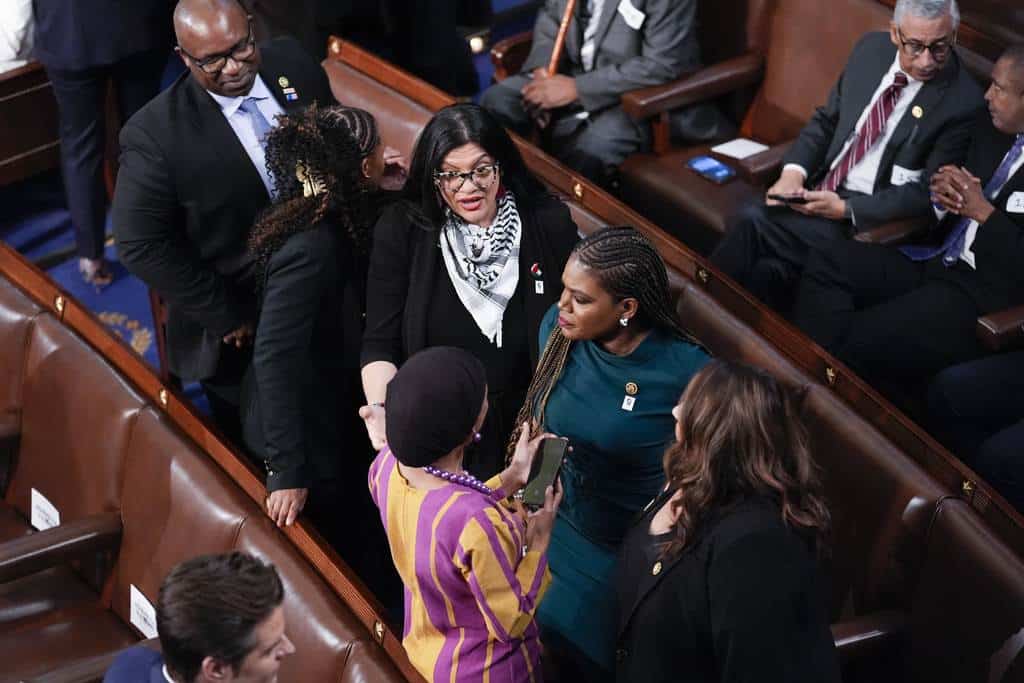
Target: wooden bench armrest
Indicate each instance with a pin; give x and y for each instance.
(868, 636)
(699, 86)
(894, 232)
(88, 670)
(1003, 330)
(509, 55)
(30, 554)
(761, 169)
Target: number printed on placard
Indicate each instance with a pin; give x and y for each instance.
(44, 514)
(143, 616)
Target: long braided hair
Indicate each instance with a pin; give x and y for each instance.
(328, 144)
(627, 265)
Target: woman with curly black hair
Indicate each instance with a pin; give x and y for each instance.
(311, 246)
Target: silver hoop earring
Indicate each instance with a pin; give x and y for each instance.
(624, 321)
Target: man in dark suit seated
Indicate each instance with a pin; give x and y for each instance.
(192, 181)
(977, 410)
(907, 313)
(900, 110)
(84, 47)
(611, 48)
(220, 618)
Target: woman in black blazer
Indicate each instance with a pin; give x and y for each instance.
(471, 257)
(719, 580)
(312, 248)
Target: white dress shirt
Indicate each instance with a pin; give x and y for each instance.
(15, 33)
(967, 256)
(242, 124)
(862, 176)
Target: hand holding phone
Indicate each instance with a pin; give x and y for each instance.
(789, 198)
(546, 465)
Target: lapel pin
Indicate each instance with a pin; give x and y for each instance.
(535, 270)
(632, 388)
(917, 112)
(283, 81)
(656, 569)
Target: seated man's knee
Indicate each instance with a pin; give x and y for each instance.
(506, 103)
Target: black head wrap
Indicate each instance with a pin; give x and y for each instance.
(433, 403)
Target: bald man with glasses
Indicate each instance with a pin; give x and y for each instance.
(193, 178)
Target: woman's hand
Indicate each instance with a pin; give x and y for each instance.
(515, 476)
(373, 416)
(284, 505)
(540, 522)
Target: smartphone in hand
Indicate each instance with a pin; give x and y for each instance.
(546, 465)
(789, 198)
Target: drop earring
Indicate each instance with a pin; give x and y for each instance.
(477, 436)
(624, 321)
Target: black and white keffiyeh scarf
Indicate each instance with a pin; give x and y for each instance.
(483, 264)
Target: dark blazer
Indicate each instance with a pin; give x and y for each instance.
(136, 665)
(78, 34)
(304, 358)
(948, 103)
(744, 602)
(187, 195)
(406, 258)
(999, 243)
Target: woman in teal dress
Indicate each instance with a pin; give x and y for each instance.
(615, 362)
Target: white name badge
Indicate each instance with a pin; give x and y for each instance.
(628, 402)
(902, 176)
(634, 17)
(143, 616)
(44, 514)
(538, 287)
(1015, 204)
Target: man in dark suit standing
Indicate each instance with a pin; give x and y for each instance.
(611, 48)
(192, 181)
(907, 313)
(85, 45)
(900, 110)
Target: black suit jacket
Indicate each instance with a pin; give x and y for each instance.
(406, 259)
(948, 103)
(78, 34)
(187, 195)
(998, 245)
(743, 602)
(304, 359)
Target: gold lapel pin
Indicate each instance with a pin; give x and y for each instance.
(656, 569)
(917, 112)
(632, 388)
(283, 81)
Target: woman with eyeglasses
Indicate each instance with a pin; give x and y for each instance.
(470, 257)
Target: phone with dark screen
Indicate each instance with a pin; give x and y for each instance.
(546, 465)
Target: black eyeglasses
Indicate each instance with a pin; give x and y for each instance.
(482, 176)
(213, 64)
(940, 49)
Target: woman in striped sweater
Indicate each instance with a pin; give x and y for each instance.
(474, 567)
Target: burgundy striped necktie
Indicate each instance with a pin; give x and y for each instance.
(868, 134)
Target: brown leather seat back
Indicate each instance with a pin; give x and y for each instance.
(967, 621)
(808, 42)
(399, 118)
(176, 504)
(881, 503)
(586, 220)
(728, 28)
(76, 420)
(331, 644)
(727, 337)
(16, 314)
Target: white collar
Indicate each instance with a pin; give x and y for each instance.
(895, 68)
(229, 105)
(167, 675)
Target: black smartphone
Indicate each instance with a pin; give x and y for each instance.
(788, 199)
(712, 169)
(546, 465)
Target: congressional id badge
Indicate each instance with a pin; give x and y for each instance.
(634, 18)
(628, 402)
(1015, 204)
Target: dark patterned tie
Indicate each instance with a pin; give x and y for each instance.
(953, 245)
(868, 134)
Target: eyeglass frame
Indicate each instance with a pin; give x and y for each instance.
(441, 176)
(949, 42)
(249, 44)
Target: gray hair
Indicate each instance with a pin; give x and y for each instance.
(927, 9)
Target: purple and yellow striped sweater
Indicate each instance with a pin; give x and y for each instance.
(470, 593)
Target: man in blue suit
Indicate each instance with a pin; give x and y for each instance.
(84, 46)
(220, 618)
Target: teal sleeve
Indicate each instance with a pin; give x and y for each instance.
(546, 325)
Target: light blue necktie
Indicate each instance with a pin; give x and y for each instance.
(259, 121)
(953, 245)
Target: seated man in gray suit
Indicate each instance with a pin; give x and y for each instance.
(901, 109)
(611, 47)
